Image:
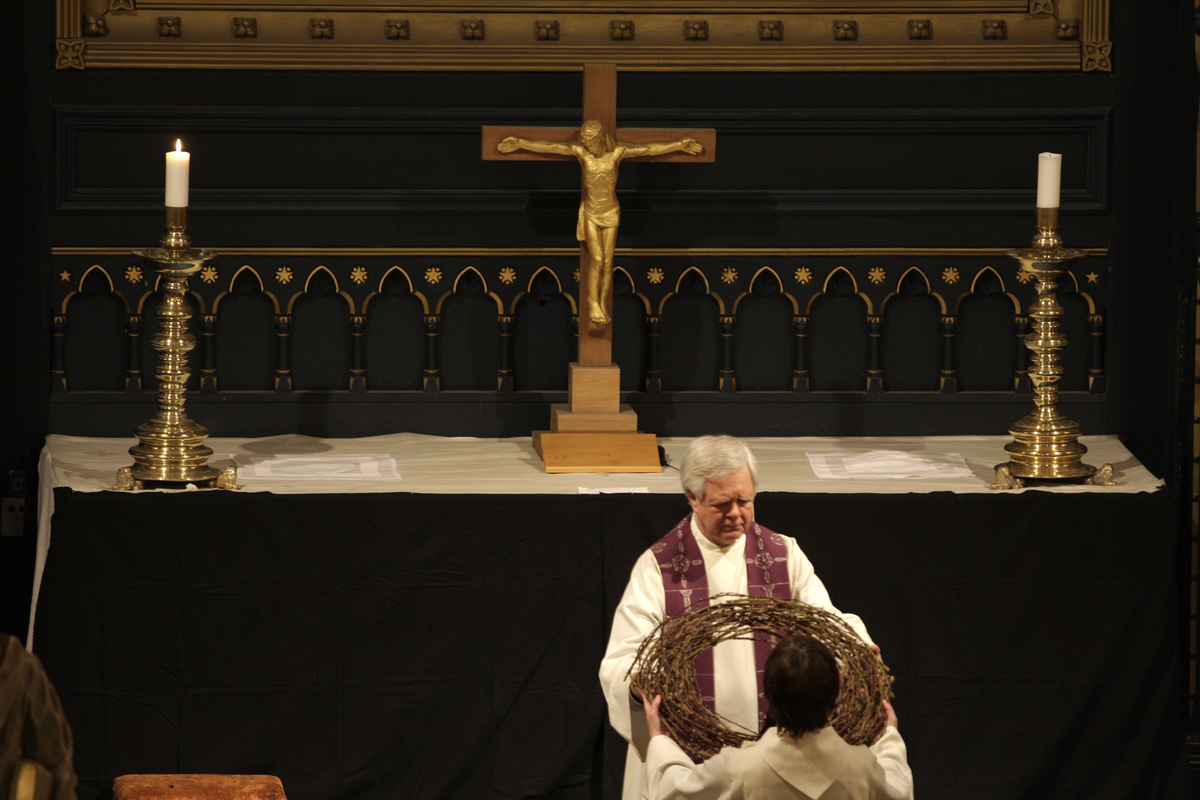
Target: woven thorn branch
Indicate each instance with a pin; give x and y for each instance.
(666, 665)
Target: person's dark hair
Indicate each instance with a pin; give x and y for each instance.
(800, 680)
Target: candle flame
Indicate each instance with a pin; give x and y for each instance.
(178, 145)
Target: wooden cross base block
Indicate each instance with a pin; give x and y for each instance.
(593, 431)
(597, 452)
(594, 390)
(564, 420)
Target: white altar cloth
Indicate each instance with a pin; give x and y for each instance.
(463, 465)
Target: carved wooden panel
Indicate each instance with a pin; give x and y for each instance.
(811, 35)
(832, 319)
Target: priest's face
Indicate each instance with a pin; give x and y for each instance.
(727, 507)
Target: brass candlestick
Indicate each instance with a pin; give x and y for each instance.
(1046, 446)
(171, 451)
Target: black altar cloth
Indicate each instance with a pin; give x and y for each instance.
(380, 646)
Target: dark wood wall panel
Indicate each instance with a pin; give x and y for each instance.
(421, 160)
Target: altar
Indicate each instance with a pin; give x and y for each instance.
(431, 625)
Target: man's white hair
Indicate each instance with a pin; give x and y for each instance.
(712, 457)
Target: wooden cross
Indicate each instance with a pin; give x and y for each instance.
(599, 103)
(593, 432)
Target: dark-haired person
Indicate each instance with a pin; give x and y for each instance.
(800, 757)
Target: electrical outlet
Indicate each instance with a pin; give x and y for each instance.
(12, 516)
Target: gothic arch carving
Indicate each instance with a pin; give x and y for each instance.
(96, 355)
(483, 280)
(679, 286)
(975, 282)
(233, 280)
(924, 279)
(839, 270)
(635, 293)
(111, 289)
(779, 281)
(544, 270)
(336, 288)
(396, 269)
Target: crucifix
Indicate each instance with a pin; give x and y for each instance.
(593, 432)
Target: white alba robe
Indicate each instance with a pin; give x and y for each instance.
(819, 764)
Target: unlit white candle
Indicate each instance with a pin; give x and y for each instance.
(1049, 179)
(178, 162)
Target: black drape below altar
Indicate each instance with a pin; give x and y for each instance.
(380, 646)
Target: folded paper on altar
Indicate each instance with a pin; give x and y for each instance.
(365, 466)
(888, 464)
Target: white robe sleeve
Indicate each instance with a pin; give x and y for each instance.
(642, 609)
(673, 776)
(892, 756)
(807, 588)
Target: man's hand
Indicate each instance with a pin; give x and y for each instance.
(509, 144)
(653, 723)
(636, 690)
(692, 147)
(892, 719)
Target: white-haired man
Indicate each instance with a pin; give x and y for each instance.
(718, 548)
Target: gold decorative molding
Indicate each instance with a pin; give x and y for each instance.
(68, 19)
(591, 7)
(1093, 18)
(804, 35)
(1097, 56)
(483, 252)
(70, 53)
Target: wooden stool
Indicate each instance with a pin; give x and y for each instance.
(198, 787)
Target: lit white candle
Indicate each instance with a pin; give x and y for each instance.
(177, 176)
(1049, 178)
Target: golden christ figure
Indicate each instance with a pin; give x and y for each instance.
(599, 212)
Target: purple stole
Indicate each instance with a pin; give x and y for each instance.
(686, 583)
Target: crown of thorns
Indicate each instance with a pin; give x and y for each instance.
(666, 665)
